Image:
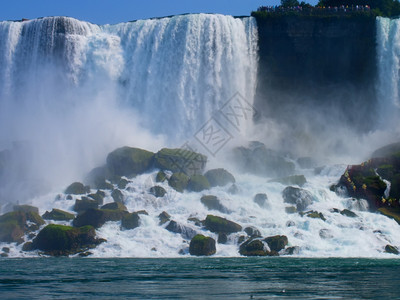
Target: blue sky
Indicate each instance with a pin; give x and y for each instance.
(116, 11)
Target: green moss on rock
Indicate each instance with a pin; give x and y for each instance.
(252, 247)
(157, 191)
(221, 225)
(213, 203)
(97, 217)
(179, 181)
(277, 242)
(58, 215)
(13, 225)
(219, 177)
(77, 188)
(130, 221)
(201, 245)
(198, 183)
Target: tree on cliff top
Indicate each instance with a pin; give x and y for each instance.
(380, 7)
(289, 3)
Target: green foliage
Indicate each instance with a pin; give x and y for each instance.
(289, 3)
(387, 8)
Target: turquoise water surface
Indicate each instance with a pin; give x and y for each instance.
(199, 278)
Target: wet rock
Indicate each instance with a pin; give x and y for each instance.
(98, 197)
(198, 183)
(391, 249)
(161, 176)
(185, 231)
(290, 224)
(277, 242)
(196, 221)
(201, 245)
(221, 225)
(222, 238)
(325, 234)
(253, 247)
(60, 240)
(118, 196)
(84, 204)
(142, 212)
(314, 215)
(261, 199)
(26, 208)
(179, 181)
(129, 162)
(164, 217)
(291, 250)
(28, 246)
(14, 225)
(233, 189)
(299, 197)
(348, 213)
(252, 231)
(98, 217)
(158, 191)
(58, 215)
(130, 221)
(77, 188)
(299, 180)
(219, 177)
(115, 206)
(291, 209)
(123, 183)
(213, 203)
(5, 249)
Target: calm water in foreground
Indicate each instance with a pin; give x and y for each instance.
(199, 278)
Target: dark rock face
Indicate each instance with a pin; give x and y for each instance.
(259, 160)
(219, 177)
(127, 161)
(213, 203)
(198, 183)
(277, 242)
(252, 231)
(26, 208)
(58, 215)
(391, 249)
(164, 217)
(180, 161)
(304, 60)
(85, 204)
(252, 248)
(222, 238)
(115, 206)
(201, 245)
(157, 191)
(221, 225)
(130, 221)
(98, 197)
(59, 240)
(117, 196)
(314, 215)
(13, 225)
(348, 213)
(77, 188)
(185, 231)
(97, 217)
(299, 197)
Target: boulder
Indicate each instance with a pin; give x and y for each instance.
(348, 213)
(201, 245)
(196, 221)
(77, 188)
(391, 249)
(185, 231)
(129, 162)
(98, 197)
(14, 225)
(130, 221)
(222, 238)
(97, 217)
(277, 242)
(259, 160)
(157, 191)
(26, 208)
(115, 206)
(253, 247)
(252, 231)
(213, 203)
(58, 215)
(299, 180)
(179, 181)
(180, 161)
(122, 183)
(164, 217)
(85, 204)
(291, 250)
(161, 176)
(221, 225)
(233, 189)
(299, 197)
(219, 177)
(198, 183)
(117, 195)
(261, 199)
(314, 215)
(59, 240)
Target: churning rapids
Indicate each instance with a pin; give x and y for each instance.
(71, 92)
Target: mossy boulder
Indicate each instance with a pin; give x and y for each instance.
(117, 195)
(127, 161)
(185, 231)
(277, 243)
(98, 197)
(157, 191)
(164, 217)
(314, 215)
(26, 208)
(253, 247)
(161, 176)
(59, 240)
(221, 225)
(14, 225)
(122, 183)
(180, 161)
(58, 215)
(198, 183)
(98, 217)
(77, 188)
(115, 206)
(299, 180)
(130, 221)
(348, 213)
(252, 231)
(84, 204)
(219, 177)
(201, 245)
(299, 197)
(213, 203)
(391, 249)
(179, 181)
